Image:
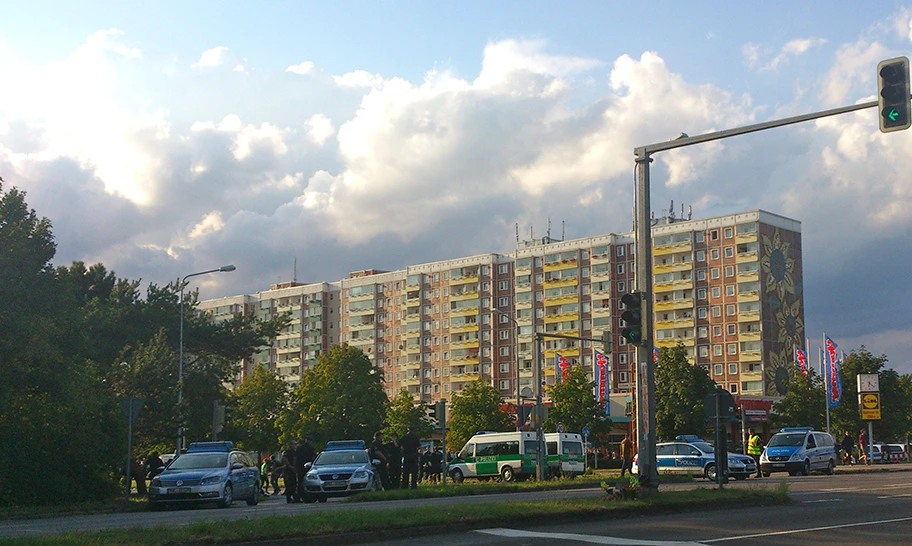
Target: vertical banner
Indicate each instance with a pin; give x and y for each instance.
(834, 382)
(801, 360)
(561, 368)
(602, 385)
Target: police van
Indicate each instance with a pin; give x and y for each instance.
(799, 450)
(565, 454)
(509, 455)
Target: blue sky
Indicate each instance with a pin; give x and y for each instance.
(163, 138)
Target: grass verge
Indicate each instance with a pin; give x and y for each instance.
(343, 526)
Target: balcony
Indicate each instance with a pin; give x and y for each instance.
(560, 317)
(563, 264)
(469, 327)
(559, 283)
(749, 316)
(674, 323)
(411, 381)
(746, 237)
(747, 356)
(569, 351)
(599, 258)
(745, 257)
(362, 296)
(359, 312)
(671, 342)
(749, 336)
(468, 359)
(464, 279)
(288, 349)
(750, 295)
(464, 344)
(560, 300)
(672, 248)
(748, 276)
(682, 303)
(464, 312)
(673, 266)
(601, 274)
(467, 295)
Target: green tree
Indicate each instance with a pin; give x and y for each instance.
(895, 398)
(478, 406)
(259, 401)
(401, 411)
(680, 390)
(574, 404)
(803, 405)
(341, 398)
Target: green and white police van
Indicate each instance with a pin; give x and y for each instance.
(511, 456)
(508, 455)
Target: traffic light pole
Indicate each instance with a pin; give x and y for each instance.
(645, 380)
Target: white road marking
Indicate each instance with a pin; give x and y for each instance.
(591, 539)
(808, 530)
(821, 500)
(895, 496)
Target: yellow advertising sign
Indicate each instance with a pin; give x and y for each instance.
(869, 404)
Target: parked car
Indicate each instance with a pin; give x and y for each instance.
(691, 455)
(343, 468)
(207, 472)
(799, 450)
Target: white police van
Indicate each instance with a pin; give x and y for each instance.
(799, 450)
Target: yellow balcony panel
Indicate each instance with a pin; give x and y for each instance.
(748, 276)
(560, 300)
(523, 304)
(749, 336)
(559, 283)
(466, 311)
(751, 316)
(362, 297)
(663, 286)
(600, 274)
(464, 328)
(672, 248)
(359, 312)
(674, 323)
(465, 360)
(683, 284)
(465, 279)
(565, 333)
(683, 303)
(286, 350)
(361, 327)
(412, 364)
(466, 344)
(671, 342)
(563, 264)
(464, 296)
(412, 381)
(524, 320)
(744, 257)
(550, 319)
(664, 324)
(473, 376)
(551, 353)
(751, 376)
(672, 267)
(753, 295)
(291, 362)
(599, 258)
(750, 355)
(412, 350)
(601, 311)
(413, 301)
(746, 237)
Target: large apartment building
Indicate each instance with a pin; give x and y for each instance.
(729, 288)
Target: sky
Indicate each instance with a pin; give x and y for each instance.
(166, 138)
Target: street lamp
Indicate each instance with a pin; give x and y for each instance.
(180, 357)
(515, 348)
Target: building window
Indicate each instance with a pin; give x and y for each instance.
(504, 384)
(729, 271)
(728, 233)
(730, 291)
(701, 256)
(620, 269)
(503, 302)
(704, 350)
(701, 313)
(717, 351)
(485, 269)
(503, 285)
(504, 368)
(620, 250)
(729, 251)
(701, 274)
(714, 254)
(698, 236)
(505, 350)
(731, 329)
(714, 235)
(732, 349)
(733, 388)
(622, 358)
(732, 369)
(717, 330)
(716, 292)
(622, 286)
(714, 273)
(504, 334)
(622, 377)
(730, 310)
(702, 331)
(701, 293)
(503, 268)
(717, 369)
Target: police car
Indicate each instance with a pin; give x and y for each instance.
(689, 454)
(343, 468)
(799, 450)
(208, 471)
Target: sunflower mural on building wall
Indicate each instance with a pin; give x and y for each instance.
(783, 294)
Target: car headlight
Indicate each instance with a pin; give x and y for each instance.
(361, 475)
(795, 457)
(156, 482)
(311, 477)
(211, 480)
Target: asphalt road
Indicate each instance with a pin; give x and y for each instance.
(873, 509)
(863, 505)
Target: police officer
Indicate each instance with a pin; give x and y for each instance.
(754, 449)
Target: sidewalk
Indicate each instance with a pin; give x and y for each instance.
(877, 467)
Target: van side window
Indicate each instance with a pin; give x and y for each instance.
(486, 449)
(811, 444)
(552, 448)
(509, 448)
(467, 451)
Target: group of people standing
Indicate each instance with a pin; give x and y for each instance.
(848, 448)
(399, 459)
(140, 470)
(291, 468)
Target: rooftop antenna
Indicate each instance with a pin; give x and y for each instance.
(671, 209)
(682, 210)
(517, 234)
(563, 230)
(294, 278)
(549, 230)
(689, 212)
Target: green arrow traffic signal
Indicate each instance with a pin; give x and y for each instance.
(893, 94)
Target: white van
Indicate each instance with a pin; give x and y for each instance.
(509, 455)
(799, 450)
(565, 454)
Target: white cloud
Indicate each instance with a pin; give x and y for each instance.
(359, 78)
(221, 56)
(304, 68)
(752, 53)
(319, 128)
(211, 223)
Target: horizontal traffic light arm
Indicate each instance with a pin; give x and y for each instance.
(542, 335)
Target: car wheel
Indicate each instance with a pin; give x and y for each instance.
(506, 474)
(374, 485)
(765, 474)
(229, 497)
(457, 476)
(831, 468)
(711, 473)
(254, 498)
(806, 469)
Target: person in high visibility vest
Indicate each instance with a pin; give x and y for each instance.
(754, 449)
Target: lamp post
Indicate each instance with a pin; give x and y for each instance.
(180, 357)
(515, 353)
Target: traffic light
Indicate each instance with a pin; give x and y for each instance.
(606, 342)
(633, 318)
(432, 412)
(893, 94)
